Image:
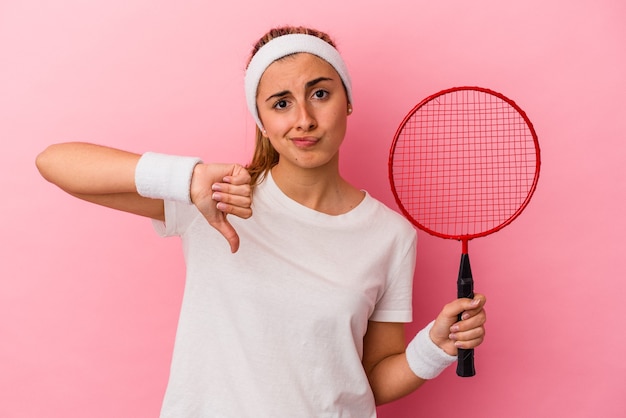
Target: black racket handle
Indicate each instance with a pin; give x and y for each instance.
(465, 289)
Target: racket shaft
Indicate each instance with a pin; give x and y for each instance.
(465, 289)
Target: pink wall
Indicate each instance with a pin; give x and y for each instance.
(89, 297)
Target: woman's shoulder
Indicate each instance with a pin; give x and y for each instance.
(382, 213)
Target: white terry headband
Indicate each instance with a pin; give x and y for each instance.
(286, 45)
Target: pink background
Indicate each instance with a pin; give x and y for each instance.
(89, 297)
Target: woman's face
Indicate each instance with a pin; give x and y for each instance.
(303, 106)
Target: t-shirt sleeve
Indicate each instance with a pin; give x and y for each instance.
(178, 217)
(396, 302)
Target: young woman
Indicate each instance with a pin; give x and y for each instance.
(302, 314)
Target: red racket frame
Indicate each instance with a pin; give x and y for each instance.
(465, 280)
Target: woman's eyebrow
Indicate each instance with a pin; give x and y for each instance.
(308, 85)
(317, 80)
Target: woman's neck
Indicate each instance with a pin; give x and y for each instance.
(321, 189)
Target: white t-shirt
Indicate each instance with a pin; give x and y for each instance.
(276, 329)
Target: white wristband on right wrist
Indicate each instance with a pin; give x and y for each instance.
(167, 177)
(425, 358)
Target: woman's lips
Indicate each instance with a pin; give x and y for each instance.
(304, 142)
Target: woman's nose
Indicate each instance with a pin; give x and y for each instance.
(306, 120)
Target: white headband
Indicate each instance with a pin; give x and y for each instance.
(286, 45)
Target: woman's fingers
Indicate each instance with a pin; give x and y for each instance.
(450, 334)
(233, 199)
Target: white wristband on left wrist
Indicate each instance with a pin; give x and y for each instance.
(425, 358)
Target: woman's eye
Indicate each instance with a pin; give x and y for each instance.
(281, 104)
(320, 94)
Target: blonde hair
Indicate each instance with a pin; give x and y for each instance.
(265, 156)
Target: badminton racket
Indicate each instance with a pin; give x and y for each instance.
(464, 163)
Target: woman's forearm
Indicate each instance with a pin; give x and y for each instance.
(88, 169)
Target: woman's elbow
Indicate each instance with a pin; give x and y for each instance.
(44, 162)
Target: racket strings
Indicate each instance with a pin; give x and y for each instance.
(464, 163)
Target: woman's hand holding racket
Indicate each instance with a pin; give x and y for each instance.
(219, 190)
(450, 334)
